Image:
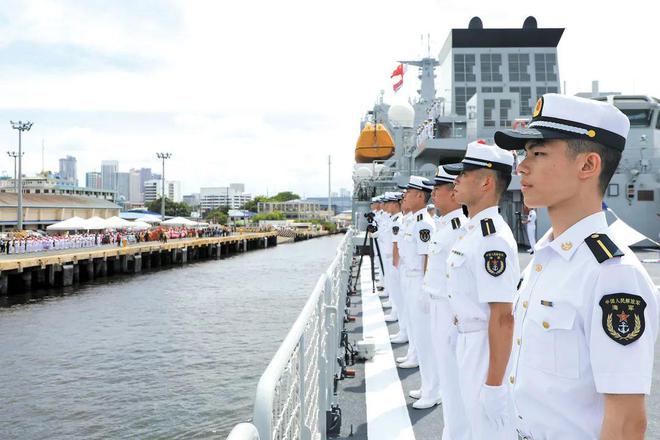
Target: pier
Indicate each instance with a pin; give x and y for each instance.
(24, 272)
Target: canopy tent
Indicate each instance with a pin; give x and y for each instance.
(139, 225)
(117, 223)
(94, 223)
(147, 218)
(179, 221)
(70, 224)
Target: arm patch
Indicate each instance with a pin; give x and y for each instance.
(623, 317)
(424, 235)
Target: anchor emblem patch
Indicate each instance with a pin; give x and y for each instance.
(495, 262)
(623, 317)
(424, 235)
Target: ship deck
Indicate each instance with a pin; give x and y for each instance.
(375, 403)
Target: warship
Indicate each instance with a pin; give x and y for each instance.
(482, 80)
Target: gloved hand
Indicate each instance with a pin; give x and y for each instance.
(494, 401)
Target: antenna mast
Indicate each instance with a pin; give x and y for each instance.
(43, 149)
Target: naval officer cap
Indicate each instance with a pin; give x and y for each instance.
(570, 117)
(418, 183)
(481, 155)
(442, 177)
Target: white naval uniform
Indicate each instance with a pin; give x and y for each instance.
(384, 236)
(406, 300)
(482, 268)
(417, 239)
(394, 277)
(447, 230)
(565, 352)
(531, 228)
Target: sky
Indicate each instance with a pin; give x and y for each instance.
(258, 92)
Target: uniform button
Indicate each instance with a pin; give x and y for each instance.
(449, 296)
(512, 379)
(518, 341)
(525, 304)
(546, 324)
(538, 268)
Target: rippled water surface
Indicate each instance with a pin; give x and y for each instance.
(164, 355)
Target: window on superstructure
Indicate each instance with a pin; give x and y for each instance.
(525, 99)
(489, 106)
(544, 66)
(464, 67)
(490, 66)
(462, 94)
(519, 67)
(638, 117)
(505, 106)
(491, 90)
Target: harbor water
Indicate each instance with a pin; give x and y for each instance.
(169, 354)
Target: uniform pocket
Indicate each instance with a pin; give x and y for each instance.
(550, 339)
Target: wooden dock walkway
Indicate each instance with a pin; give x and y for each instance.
(22, 272)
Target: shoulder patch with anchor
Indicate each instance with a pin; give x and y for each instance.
(495, 262)
(395, 230)
(487, 226)
(420, 217)
(602, 247)
(623, 317)
(455, 223)
(424, 235)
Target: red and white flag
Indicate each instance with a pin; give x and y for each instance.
(398, 72)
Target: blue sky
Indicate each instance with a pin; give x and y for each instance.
(256, 92)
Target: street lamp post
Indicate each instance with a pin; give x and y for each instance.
(21, 127)
(14, 155)
(163, 156)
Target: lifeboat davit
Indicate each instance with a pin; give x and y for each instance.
(374, 143)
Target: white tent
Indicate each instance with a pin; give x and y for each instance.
(70, 224)
(179, 221)
(139, 225)
(148, 218)
(94, 223)
(117, 223)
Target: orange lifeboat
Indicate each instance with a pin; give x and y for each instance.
(374, 143)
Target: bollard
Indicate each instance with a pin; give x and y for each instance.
(67, 275)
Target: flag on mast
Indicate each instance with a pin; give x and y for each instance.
(398, 72)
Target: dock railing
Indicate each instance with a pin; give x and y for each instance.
(297, 387)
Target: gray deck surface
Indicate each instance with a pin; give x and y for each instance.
(427, 424)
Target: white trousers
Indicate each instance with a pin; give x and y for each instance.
(531, 234)
(406, 304)
(396, 292)
(387, 282)
(419, 321)
(456, 425)
(472, 355)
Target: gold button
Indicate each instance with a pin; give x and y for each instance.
(538, 268)
(518, 341)
(546, 324)
(460, 238)
(525, 304)
(512, 379)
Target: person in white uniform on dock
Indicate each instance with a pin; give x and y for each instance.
(482, 275)
(414, 253)
(448, 228)
(587, 311)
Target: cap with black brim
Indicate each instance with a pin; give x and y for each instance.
(517, 139)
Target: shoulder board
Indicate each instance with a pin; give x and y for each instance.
(420, 217)
(602, 247)
(455, 223)
(487, 226)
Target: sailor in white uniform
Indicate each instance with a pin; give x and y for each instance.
(448, 228)
(482, 275)
(530, 226)
(414, 253)
(395, 286)
(384, 236)
(587, 311)
(409, 360)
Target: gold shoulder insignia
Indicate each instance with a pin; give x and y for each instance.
(602, 247)
(455, 223)
(487, 226)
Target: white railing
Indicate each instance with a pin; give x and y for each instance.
(296, 389)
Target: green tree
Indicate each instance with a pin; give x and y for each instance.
(218, 215)
(276, 215)
(173, 209)
(284, 196)
(252, 204)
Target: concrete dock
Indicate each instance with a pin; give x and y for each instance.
(22, 272)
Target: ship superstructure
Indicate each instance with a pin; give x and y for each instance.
(485, 80)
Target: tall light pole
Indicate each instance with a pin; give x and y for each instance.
(163, 156)
(14, 154)
(21, 127)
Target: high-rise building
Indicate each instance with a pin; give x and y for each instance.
(109, 169)
(226, 196)
(68, 170)
(154, 188)
(134, 191)
(122, 186)
(93, 180)
(145, 174)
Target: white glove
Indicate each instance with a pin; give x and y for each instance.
(494, 401)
